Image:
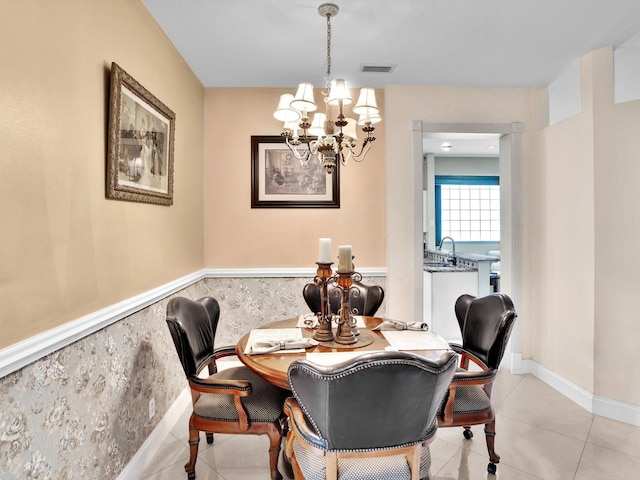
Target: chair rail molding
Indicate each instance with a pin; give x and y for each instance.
(21, 354)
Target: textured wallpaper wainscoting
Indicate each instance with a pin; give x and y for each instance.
(82, 411)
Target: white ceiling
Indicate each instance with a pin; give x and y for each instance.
(501, 43)
(280, 43)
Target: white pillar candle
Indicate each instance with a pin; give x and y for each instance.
(344, 258)
(325, 250)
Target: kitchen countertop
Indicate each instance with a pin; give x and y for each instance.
(436, 261)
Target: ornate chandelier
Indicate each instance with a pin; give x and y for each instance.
(331, 135)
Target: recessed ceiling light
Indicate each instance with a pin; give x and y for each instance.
(492, 147)
(445, 146)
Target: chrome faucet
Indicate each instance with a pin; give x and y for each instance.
(453, 259)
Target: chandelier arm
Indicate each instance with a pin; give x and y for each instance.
(303, 157)
(360, 156)
(344, 159)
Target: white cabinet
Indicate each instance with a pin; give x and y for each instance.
(441, 290)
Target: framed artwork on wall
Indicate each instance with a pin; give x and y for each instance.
(279, 180)
(140, 146)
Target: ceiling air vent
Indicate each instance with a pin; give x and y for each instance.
(377, 68)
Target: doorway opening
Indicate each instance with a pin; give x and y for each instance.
(474, 141)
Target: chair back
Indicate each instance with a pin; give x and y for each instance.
(382, 399)
(366, 300)
(193, 325)
(486, 324)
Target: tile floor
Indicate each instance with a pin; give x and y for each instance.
(540, 435)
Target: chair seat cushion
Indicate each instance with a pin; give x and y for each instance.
(392, 467)
(471, 399)
(263, 405)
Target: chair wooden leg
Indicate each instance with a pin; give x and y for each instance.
(414, 460)
(275, 440)
(331, 459)
(286, 462)
(490, 433)
(296, 473)
(194, 440)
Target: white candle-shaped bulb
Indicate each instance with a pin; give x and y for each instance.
(344, 258)
(325, 250)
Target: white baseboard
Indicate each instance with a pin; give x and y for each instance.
(622, 412)
(149, 448)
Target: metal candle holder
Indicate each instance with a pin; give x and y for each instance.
(324, 275)
(348, 332)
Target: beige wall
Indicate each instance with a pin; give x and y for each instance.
(237, 236)
(65, 250)
(562, 293)
(617, 228)
(582, 232)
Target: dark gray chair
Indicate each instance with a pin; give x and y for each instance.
(372, 417)
(234, 400)
(485, 324)
(366, 301)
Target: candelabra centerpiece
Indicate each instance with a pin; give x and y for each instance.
(347, 333)
(324, 275)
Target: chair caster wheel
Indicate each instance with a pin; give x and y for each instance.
(209, 438)
(468, 434)
(191, 476)
(491, 468)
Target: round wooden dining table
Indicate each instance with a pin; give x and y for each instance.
(273, 367)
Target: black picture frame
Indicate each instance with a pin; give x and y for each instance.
(279, 180)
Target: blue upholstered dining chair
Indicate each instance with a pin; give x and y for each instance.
(234, 400)
(368, 418)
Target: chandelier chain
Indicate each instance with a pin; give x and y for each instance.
(328, 79)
